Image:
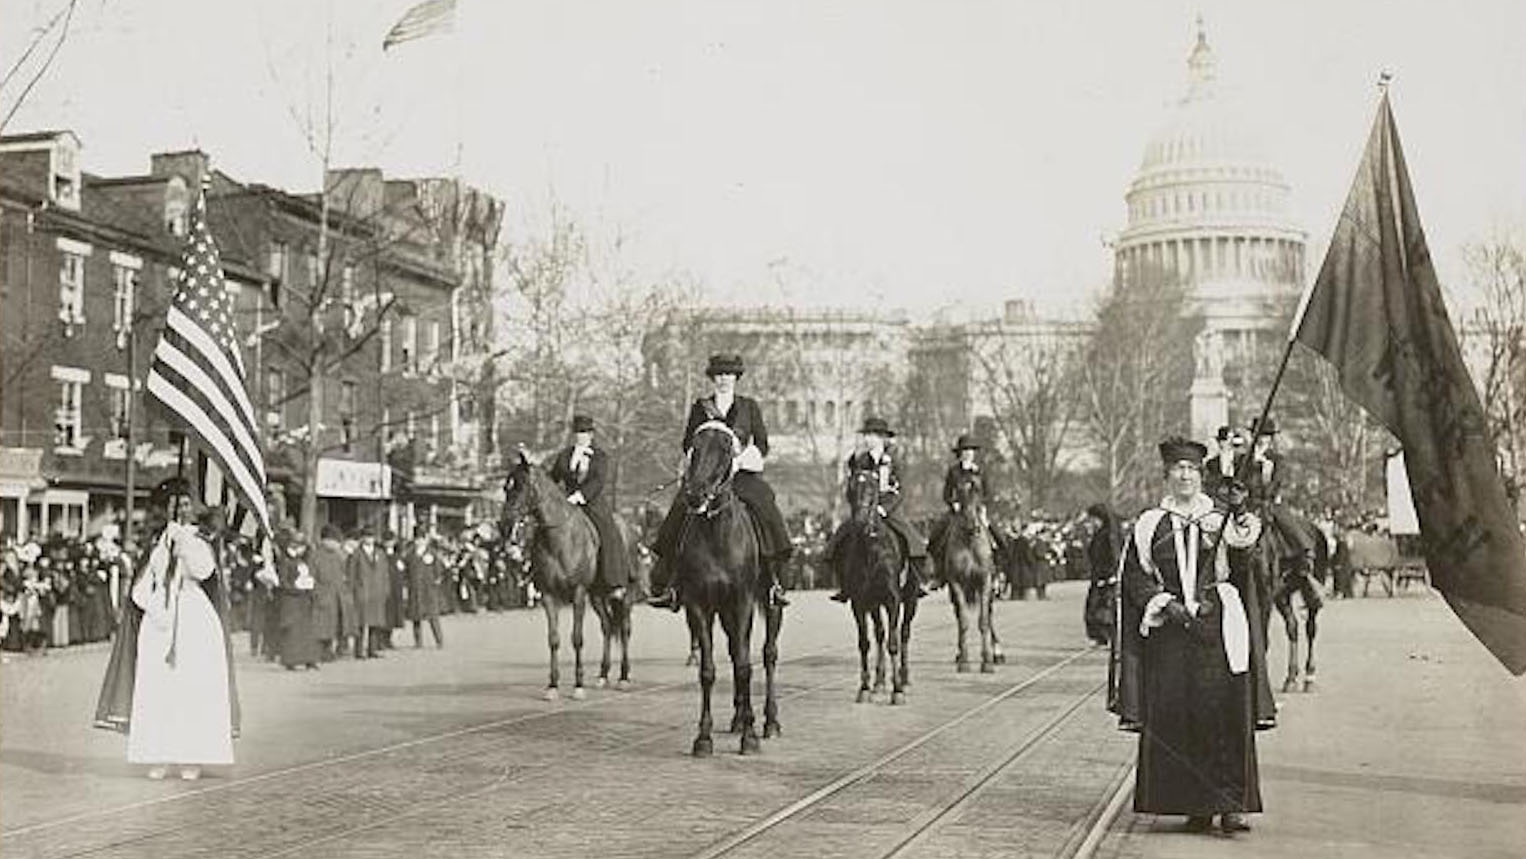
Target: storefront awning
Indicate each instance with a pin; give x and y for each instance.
(343, 478)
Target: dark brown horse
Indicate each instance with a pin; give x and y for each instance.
(968, 567)
(719, 563)
(563, 549)
(1289, 570)
(871, 566)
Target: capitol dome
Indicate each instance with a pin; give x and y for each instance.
(1209, 209)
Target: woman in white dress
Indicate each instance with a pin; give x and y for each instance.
(181, 713)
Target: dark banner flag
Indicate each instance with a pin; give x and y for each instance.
(1375, 312)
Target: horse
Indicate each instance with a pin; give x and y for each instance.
(871, 565)
(720, 563)
(1286, 569)
(967, 565)
(563, 550)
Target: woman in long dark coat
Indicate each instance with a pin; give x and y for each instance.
(1195, 709)
(1102, 561)
(369, 572)
(299, 633)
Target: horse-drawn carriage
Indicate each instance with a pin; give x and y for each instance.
(1391, 559)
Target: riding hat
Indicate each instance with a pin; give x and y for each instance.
(723, 362)
(1268, 428)
(1223, 433)
(1174, 449)
(582, 423)
(877, 426)
(966, 442)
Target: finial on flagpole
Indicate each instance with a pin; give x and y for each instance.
(1384, 78)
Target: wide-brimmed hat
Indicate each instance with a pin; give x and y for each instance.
(966, 442)
(724, 363)
(1175, 449)
(876, 426)
(582, 423)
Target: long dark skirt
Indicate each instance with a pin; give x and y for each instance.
(754, 491)
(113, 709)
(299, 634)
(1197, 746)
(1097, 614)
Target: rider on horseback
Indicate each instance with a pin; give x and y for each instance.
(966, 465)
(745, 418)
(579, 469)
(874, 456)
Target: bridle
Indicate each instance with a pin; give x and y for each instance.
(713, 499)
(864, 496)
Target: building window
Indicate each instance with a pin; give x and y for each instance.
(174, 217)
(831, 413)
(386, 345)
(468, 408)
(791, 414)
(312, 270)
(434, 435)
(347, 415)
(275, 400)
(275, 266)
(71, 289)
(121, 403)
(431, 356)
(410, 345)
(68, 423)
(125, 287)
(410, 425)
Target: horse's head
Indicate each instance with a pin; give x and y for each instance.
(969, 500)
(863, 497)
(707, 477)
(520, 496)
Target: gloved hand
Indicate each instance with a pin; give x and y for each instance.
(1176, 612)
(1235, 496)
(576, 498)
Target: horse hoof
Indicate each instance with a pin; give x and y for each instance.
(863, 696)
(623, 686)
(1000, 658)
(692, 660)
(601, 683)
(962, 668)
(879, 689)
(551, 694)
(704, 747)
(579, 693)
(987, 668)
(897, 697)
(1308, 685)
(750, 744)
(1289, 686)
(736, 725)
(771, 730)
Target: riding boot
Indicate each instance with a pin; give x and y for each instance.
(773, 587)
(669, 598)
(916, 575)
(829, 558)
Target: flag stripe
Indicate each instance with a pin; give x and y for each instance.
(181, 326)
(425, 19)
(211, 396)
(203, 419)
(205, 427)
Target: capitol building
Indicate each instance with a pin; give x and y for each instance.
(1208, 209)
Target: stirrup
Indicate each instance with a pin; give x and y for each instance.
(840, 596)
(668, 599)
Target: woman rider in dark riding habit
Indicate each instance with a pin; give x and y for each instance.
(745, 418)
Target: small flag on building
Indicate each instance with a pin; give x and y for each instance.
(1376, 313)
(425, 19)
(198, 374)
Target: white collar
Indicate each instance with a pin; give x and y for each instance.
(1200, 506)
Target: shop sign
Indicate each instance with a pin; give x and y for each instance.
(341, 478)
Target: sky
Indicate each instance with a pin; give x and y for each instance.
(936, 157)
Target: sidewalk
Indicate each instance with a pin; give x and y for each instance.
(1413, 745)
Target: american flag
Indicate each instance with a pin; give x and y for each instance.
(425, 19)
(198, 374)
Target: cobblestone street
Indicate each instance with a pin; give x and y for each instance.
(452, 753)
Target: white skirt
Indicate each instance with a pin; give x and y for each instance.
(180, 713)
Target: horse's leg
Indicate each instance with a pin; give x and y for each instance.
(579, 608)
(962, 621)
(1311, 604)
(997, 654)
(623, 610)
(893, 644)
(880, 616)
(908, 613)
(700, 621)
(738, 626)
(773, 619)
(860, 617)
(1284, 603)
(987, 663)
(693, 650)
(601, 611)
(549, 605)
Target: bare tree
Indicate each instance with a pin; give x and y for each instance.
(1028, 378)
(1134, 375)
(1497, 268)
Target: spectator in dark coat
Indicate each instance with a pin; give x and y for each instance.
(299, 635)
(333, 621)
(369, 571)
(424, 566)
